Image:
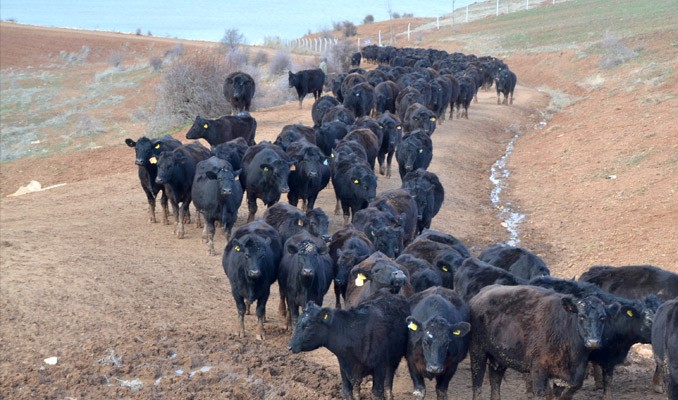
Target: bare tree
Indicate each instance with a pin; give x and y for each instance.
(231, 40)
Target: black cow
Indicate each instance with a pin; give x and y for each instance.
(355, 59)
(534, 330)
(289, 220)
(400, 204)
(406, 97)
(454, 90)
(328, 134)
(438, 338)
(220, 130)
(359, 99)
(355, 184)
(505, 83)
(446, 257)
(415, 151)
(374, 273)
(516, 260)
(320, 107)
(307, 81)
(294, 133)
(665, 346)
(217, 194)
(467, 89)
(633, 324)
(385, 94)
(265, 169)
(368, 140)
(443, 95)
(428, 193)
(348, 247)
(382, 228)
(305, 273)
(338, 113)
(419, 117)
(311, 174)
(422, 273)
(251, 260)
(232, 151)
(147, 153)
(392, 135)
(176, 170)
(239, 89)
(368, 340)
(473, 275)
(634, 281)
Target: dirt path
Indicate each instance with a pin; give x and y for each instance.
(121, 302)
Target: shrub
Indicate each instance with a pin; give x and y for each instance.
(337, 26)
(368, 19)
(231, 40)
(339, 56)
(280, 63)
(116, 58)
(138, 32)
(261, 57)
(408, 15)
(395, 15)
(349, 29)
(615, 52)
(156, 63)
(191, 86)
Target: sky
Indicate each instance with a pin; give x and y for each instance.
(209, 19)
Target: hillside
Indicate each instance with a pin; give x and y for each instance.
(130, 311)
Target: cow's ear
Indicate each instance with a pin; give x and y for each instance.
(130, 142)
(360, 276)
(292, 248)
(235, 245)
(236, 174)
(569, 305)
(290, 74)
(326, 316)
(461, 329)
(412, 324)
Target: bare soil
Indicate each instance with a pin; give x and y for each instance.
(122, 303)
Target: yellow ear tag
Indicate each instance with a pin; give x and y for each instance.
(413, 326)
(157, 146)
(236, 248)
(266, 169)
(153, 160)
(360, 280)
(326, 316)
(433, 119)
(293, 167)
(356, 181)
(205, 126)
(456, 333)
(445, 269)
(629, 313)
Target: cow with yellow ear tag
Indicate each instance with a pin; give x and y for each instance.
(438, 338)
(147, 153)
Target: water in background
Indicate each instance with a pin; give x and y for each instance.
(209, 19)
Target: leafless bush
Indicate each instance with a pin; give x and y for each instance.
(337, 26)
(156, 63)
(615, 51)
(259, 58)
(88, 125)
(339, 56)
(231, 40)
(280, 63)
(349, 29)
(116, 58)
(369, 18)
(395, 15)
(193, 86)
(408, 15)
(138, 32)
(81, 56)
(175, 52)
(273, 91)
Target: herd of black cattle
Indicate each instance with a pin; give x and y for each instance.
(408, 291)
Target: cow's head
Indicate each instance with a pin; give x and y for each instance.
(438, 338)
(312, 328)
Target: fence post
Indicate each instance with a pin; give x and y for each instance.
(379, 38)
(408, 31)
(527, 4)
(438, 22)
(497, 8)
(467, 13)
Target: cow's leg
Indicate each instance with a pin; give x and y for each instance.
(347, 213)
(380, 160)
(498, 98)
(251, 206)
(261, 315)
(475, 98)
(337, 208)
(282, 305)
(301, 100)
(165, 210)
(540, 380)
(240, 305)
(496, 375)
(209, 226)
(511, 97)
(657, 379)
(151, 204)
(388, 163)
(478, 364)
(607, 375)
(183, 210)
(205, 232)
(337, 295)
(419, 391)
